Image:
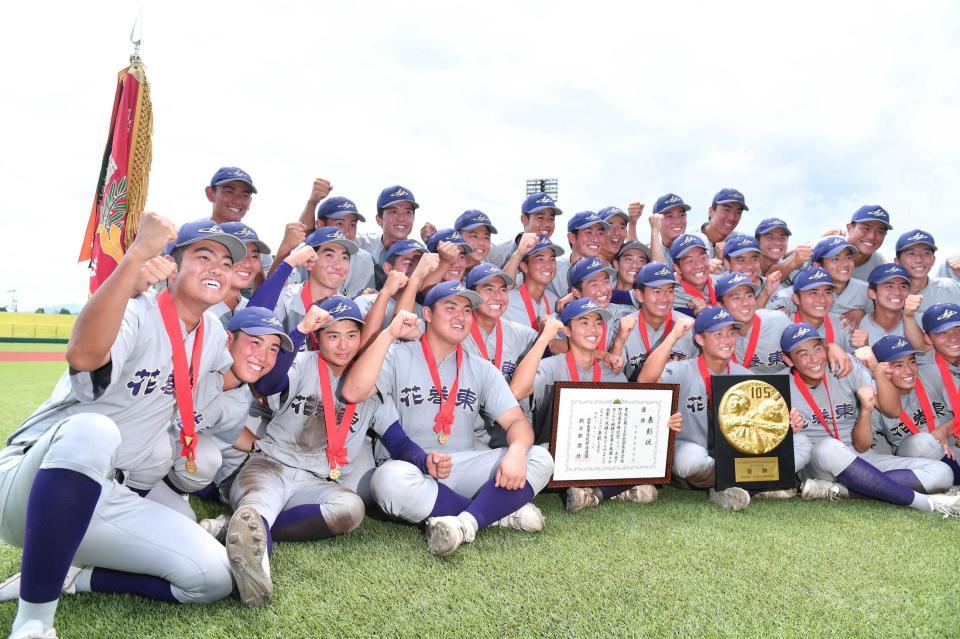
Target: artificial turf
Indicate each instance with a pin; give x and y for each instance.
(678, 567)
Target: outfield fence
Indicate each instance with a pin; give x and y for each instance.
(31, 327)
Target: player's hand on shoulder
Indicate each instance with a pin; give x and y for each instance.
(404, 326)
(512, 473)
(313, 320)
(839, 362)
(153, 235)
(439, 465)
(850, 320)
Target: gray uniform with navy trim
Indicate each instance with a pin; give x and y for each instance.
(875, 331)
(635, 352)
(862, 272)
(560, 285)
(767, 358)
(517, 311)
(939, 290)
(854, 296)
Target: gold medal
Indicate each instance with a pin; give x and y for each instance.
(753, 417)
(191, 466)
(334, 474)
(443, 438)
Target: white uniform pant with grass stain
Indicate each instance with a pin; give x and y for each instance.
(127, 532)
(694, 464)
(831, 457)
(402, 491)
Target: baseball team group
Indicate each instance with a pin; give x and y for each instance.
(348, 372)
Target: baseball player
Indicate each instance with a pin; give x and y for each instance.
(584, 233)
(941, 368)
(476, 229)
(501, 342)
(866, 231)
(715, 334)
(758, 337)
(773, 235)
(342, 213)
(922, 429)
(244, 272)
(812, 298)
(835, 414)
(667, 223)
(723, 216)
(741, 254)
(616, 236)
(639, 333)
(531, 301)
(396, 207)
(231, 192)
(889, 290)
(439, 390)
(401, 265)
(453, 251)
(109, 414)
(916, 252)
(538, 215)
(627, 262)
(691, 261)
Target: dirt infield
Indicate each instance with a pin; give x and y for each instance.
(25, 356)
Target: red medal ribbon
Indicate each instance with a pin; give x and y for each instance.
(184, 376)
(705, 375)
(642, 329)
(307, 300)
(952, 391)
(826, 320)
(927, 411)
(336, 436)
(528, 304)
(482, 347)
(751, 343)
(575, 374)
(835, 433)
(698, 294)
(444, 419)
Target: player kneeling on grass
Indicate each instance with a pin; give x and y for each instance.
(109, 414)
(300, 482)
(842, 464)
(439, 390)
(582, 322)
(715, 334)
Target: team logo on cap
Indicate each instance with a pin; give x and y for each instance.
(663, 271)
(458, 288)
(479, 218)
(337, 235)
(818, 275)
(721, 314)
(801, 332)
(245, 232)
(876, 213)
(946, 314)
(345, 205)
(236, 173)
(546, 199)
(919, 235)
(614, 211)
(339, 308)
(272, 321)
(687, 240)
(595, 264)
(736, 279)
(900, 344)
(455, 236)
(893, 268)
(211, 229)
(399, 193)
(671, 199)
(590, 304)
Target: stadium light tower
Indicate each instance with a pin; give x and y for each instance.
(542, 185)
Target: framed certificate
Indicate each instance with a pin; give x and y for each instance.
(612, 433)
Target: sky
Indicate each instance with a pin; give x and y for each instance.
(810, 110)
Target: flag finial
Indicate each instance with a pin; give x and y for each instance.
(136, 36)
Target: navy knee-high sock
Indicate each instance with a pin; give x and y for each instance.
(59, 509)
(493, 503)
(613, 491)
(867, 479)
(955, 467)
(128, 583)
(269, 535)
(906, 477)
(301, 523)
(448, 502)
(210, 492)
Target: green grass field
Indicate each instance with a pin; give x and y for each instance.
(679, 567)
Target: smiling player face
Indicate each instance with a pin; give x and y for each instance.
(597, 287)
(814, 303)
(396, 221)
(918, 260)
(339, 342)
(866, 236)
(628, 265)
(742, 304)
(694, 267)
(657, 301)
(494, 295)
(586, 241)
(204, 273)
(840, 267)
(615, 236)
(890, 295)
(347, 225)
(718, 344)
(331, 266)
(541, 222)
(585, 331)
(479, 239)
(253, 355)
(230, 200)
(903, 373)
(809, 359)
(774, 244)
(450, 319)
(246, 269)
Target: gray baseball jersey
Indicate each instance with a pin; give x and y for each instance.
(560, 285)
(681, 297)
(501, 252)
(862, 272)
(365, 303)
(767, 358)
(938, 291)
(875, 331)
(836, 393)
(405, 382)
(635, 351)
(945, 271)
(372, 243)
(933, 383)
(517, 310)
(693, 398)
(222, 311)
(135, 389)
(359, 277)
(892, 428)
(517, 340)
(854, 296)
(711, 249)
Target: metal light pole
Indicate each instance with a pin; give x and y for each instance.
(542, 185)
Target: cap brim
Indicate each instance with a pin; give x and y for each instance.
(557, 250)
(753, 286)
(285, 342)
(742, 251)
(253, 189)
(334, 320)
(415, 205)
(341, 215)
(261, 246)
(606, 270)
(348, 245)
(507, 280)
(745, 207)
(476, 225)
(604, 314)
(713, 328)
(656, 283)
(238, 249)
(945, 327)
(900, 355)
(606, 225)
(556, 211)
(472, 296)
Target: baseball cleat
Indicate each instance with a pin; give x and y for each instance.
(444, 535)
(640, 494)
(786, 493)
(34, 629)
(10, 589)
(217, 527)
(948, 506)
(954, 490)
(733, 499)
(580, 498)
(247, 552)
(820, 489)
(527, 518)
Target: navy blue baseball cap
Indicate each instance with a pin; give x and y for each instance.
(586, 268)
(770, 224)
(634, 245)
(200, 230)
(831, 246)
(583, 306)
(486, 271)
(583, 219)
(446, 290)
(447, 235)
(246, 235)
(335, 208)
(797, 334)
(255, 320)
(611, 211)
(404, 247)
(739, 245)
(872, 213)
(538, 202)
(394, 195)
(655, 274)
(340, 308)
(712, 319)
(886, 272)
(728, 196)
(810, 278)
(544, 244)
(230, 173)
(890, 348)
(941, 317)
(913, 238)
(669, 201)
(331, 235)
(729, 281)
(472, 219)
(683, 244)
